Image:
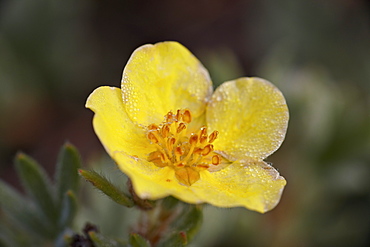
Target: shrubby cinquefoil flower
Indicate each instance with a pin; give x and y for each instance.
(172, 135)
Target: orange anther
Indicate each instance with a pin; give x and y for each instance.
(157, 158)
(178, 115)
(203, 139)
(170, 143)
(154, 156)
(152, 137)
(203, 166)
(179, 151)
(153, 127)
(213, 136)
(197, 150)
(169, 116)
(207, 149)
(163, 157)
(180, 165)
(215, 160)
(186, 116)
(165, 130)
(181, 127)
(203, 131)
(193, 139)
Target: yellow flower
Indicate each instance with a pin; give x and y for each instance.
(172, 135)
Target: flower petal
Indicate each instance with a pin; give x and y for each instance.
(254, 185)
(111, 123)
(163, 77)
(251, 116)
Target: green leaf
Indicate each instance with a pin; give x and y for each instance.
(107, 187)
(66, 175)
(176, 239)
(64, 238)
(170, 203)
(190, 221)
(68, 210)
(12, 235)
(23, 212)
(100, 241)
(136, 240)
(37, 185)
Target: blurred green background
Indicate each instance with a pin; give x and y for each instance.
(53, 53)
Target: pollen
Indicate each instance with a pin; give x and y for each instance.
(186, 153)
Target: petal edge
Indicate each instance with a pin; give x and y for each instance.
(113, 127)
(164, 77)
(252, 117)
(253, 185)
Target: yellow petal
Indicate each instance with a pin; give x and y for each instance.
(163, 77)
(112, 125)
(254, 185)
(251, 116)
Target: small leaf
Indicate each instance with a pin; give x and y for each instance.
(63, 238)
(23, 212)
(176, 239)
(37, 185)
(66, 175)
(190, 221)
(136, 240)
(107, 187)
(100, 241)
(68, 210)
(169, 203)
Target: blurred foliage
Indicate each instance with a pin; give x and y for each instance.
(53, 53)
(47, 213)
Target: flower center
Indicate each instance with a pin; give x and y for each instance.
(187, 154)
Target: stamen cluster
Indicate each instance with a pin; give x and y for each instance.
(187, 154)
